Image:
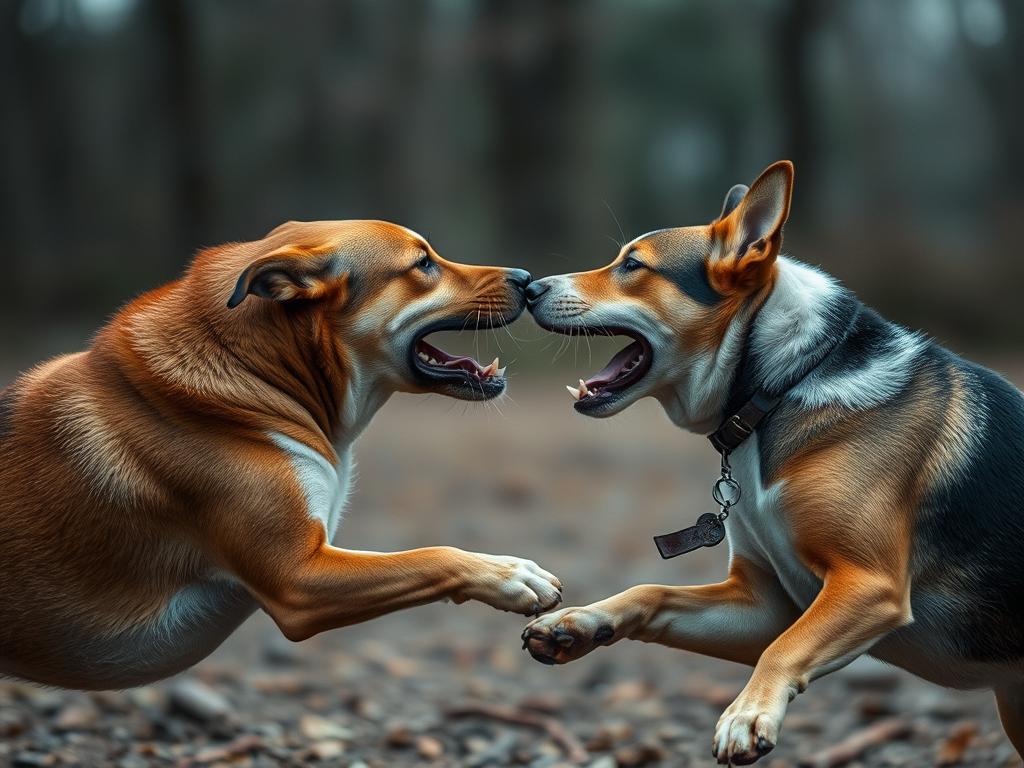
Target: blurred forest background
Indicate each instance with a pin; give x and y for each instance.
(507, 131)
(516, 132)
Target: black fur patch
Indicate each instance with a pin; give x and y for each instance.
(683, 261)
(691, 277)
(968, 554)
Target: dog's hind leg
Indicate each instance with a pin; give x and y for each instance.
(1010, 700)
(734, 620)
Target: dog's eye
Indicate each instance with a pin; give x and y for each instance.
(425, 263)
(630, 264)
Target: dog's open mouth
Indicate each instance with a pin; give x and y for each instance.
(432, 360)
(624, 370)
(460, 376)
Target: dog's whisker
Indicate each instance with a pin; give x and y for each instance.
(617, 224)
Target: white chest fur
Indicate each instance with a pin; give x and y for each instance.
(758, 530)
(325, 487)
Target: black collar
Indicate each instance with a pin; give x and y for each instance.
(734, 430)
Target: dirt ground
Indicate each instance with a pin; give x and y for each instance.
(527, 477)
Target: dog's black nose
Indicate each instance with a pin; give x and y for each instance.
(535, 290)
(519, 277)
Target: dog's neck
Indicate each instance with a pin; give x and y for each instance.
(290, 378)
(771, 343)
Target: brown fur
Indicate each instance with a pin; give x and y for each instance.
(143, 465)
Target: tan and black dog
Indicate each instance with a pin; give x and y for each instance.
(193, 463)
(883, 487)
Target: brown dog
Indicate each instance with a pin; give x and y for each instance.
(882, 475)
(192, 464)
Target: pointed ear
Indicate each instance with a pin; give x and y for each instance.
(733, 198)
(290, 273)
(751, 233)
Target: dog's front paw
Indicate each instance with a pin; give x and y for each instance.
(568, 634)
(749, 729)
(512, 584)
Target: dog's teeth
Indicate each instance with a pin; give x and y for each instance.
(432, 361)
(422, 355)
(583, 388)
(573, 391)
(491, 369)
(501, 371)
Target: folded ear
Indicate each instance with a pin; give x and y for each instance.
(290, 273)
(751, 232)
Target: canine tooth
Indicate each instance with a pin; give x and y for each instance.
(573, 391)
(490, 369)
(422, 355)
(434, 362)
(583, 388)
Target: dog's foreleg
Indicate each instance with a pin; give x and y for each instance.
(734, 620)
(853, 610)
(335, 587)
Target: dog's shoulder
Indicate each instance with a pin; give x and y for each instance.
(878, 378)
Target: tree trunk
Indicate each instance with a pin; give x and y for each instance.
(178, 73)
(797, 27)
(530, 62)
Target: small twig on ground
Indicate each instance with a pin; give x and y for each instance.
(241, 746)
(857, 743)
(952, 750)
(569, 744)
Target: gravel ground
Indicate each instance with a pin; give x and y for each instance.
(447, 685)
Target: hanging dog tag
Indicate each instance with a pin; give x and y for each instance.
(707, 532)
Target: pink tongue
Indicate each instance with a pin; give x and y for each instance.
(615, 368)
(466, 363)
